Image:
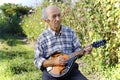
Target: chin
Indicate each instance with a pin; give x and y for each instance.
(57, 26)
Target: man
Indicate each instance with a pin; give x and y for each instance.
(57, 38)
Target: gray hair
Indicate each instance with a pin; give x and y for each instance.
(44, 14)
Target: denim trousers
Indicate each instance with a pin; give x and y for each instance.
(74, 74)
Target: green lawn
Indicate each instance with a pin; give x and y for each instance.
(16, 60)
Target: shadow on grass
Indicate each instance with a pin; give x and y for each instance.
(12, 54)
(21, 66)
(12, 40)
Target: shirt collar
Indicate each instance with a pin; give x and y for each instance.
(53, 32)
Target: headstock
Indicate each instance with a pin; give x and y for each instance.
(98, 43)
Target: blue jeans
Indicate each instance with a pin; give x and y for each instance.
(74, 74)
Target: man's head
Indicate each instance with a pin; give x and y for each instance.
(52, 16)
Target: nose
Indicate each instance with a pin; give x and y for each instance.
(57, 18)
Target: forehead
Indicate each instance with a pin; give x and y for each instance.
(53, 11)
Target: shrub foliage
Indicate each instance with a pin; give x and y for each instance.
(11, 16)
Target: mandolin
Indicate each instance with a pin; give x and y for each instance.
(59, 70)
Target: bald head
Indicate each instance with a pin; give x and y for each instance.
(48, 10)
(51, 8)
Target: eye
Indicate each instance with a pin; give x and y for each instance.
(59, 15)
(54, 16)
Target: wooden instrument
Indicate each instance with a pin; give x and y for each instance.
(59, 70)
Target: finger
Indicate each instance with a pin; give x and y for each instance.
(88, 48)
(58, 51)
(64, 63)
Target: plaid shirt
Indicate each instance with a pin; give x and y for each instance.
(49, 42)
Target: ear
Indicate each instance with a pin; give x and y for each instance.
(47, 20)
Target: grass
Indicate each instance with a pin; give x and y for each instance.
(16, 60)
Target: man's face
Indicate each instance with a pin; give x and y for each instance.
(54, 19)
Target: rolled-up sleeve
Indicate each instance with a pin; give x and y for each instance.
(38, 58)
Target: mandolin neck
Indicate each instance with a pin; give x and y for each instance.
(80, 52)
(94, 44)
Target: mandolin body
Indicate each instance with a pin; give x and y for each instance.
(59, 71)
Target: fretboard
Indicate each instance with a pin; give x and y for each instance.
(80, 52)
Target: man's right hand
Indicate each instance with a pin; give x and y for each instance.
(60, 60)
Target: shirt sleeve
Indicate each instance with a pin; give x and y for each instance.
(76, 43)
(38, 58)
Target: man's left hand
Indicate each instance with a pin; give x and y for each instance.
(88, 49)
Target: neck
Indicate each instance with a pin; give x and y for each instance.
(58, 30)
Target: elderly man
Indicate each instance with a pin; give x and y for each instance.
(57, 38)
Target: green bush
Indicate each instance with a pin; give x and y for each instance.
(3, 21)
(11, 16)
(32, 24)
